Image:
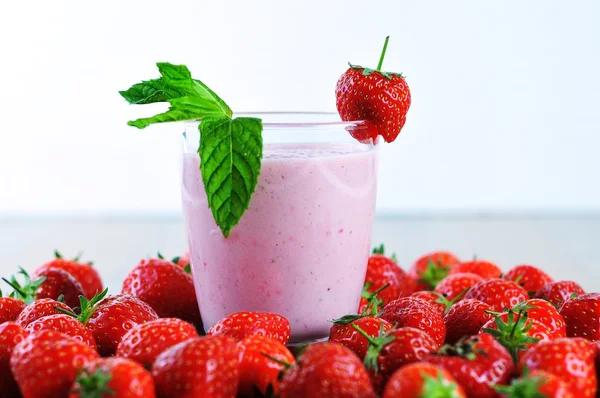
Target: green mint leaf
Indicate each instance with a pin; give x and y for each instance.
(174, 74)
(230, 157)
(150, 91)
(180, 76)
(183, 108)
(215, 97)
(190, 99)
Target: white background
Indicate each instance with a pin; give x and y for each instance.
(504, 115)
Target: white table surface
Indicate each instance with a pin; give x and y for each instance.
(566, 246)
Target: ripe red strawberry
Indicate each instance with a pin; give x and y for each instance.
(46, 363)
(559, 292)
(344, 332)
(537, 384)
(166, 287)
(598, 359)
(10, 308)
(516, 332)
(110, 318)
(327, 370)
(10, 334)
(544, 312)
(240, 325)
(65, 324)
(431, 268)
(84, 273)
(456, 285)
(439, 302)
(414, 312)
(199, 367)
(420, 380)
(50, 283)
(118, 377)
(381, 271)
(485, 269)
(393, 349)
(498, 293)
(383, 98)
(147, 341)
(478, 363)
(571, 359)
(113, 317)
(59, 283)
(531, 278)
(39, 309)
(262, 359)
(466, 318)
(582, 316)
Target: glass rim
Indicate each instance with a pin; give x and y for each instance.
(292, 114)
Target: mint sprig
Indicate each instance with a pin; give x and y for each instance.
(230, 149)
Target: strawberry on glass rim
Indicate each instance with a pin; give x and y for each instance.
(381, 98)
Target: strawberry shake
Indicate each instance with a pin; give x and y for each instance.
(301, 248)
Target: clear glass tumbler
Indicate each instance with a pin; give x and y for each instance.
(301, 248)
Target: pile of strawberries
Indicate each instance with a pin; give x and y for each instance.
(451, 328)
(445, 328)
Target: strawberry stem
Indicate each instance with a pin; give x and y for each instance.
(375, 346)
(382, 288)
(285, 364)
(370, 339)
(385, 44)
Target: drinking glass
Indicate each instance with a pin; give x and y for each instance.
(301, 248)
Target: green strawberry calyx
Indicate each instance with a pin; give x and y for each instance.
(26, 291)
(433, 274)
(372, 309)
(439, 387)
(86, 307)
(513, 334)
(449, 303)
(463, 348)
(524, 387)
(368, 71)
(381, 250)
(75, 259)
(187, 268)
(94, 384)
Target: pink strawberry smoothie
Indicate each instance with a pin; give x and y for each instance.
(301, 248)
